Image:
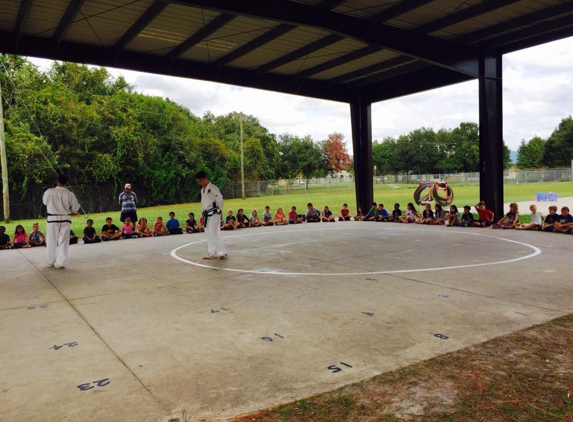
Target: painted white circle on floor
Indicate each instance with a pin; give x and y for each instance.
(300, 233)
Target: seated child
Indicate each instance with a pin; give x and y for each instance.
(453, 217)
(381, 213)
(467, 219)
(535, 220)
(312, 214)
(344, 213)
(439, 215)
(230, 222)
(550, 219)
(512, 218)
(280, 217)
(36, 237)
(327, 216)
(254, 220)
(143, 229)
(396, 213)
(128, 229)
(427, 215)
(564, 223)
(371, 214)
(191, 225)
(109, 231)
(159, 228)
(359, 214)
(90, 235)
(20, 239)
(172, 225)
(4, 239)
(293, 217)
(485, 216)
(242, 219)
(267, 217)
(411, 214)
(73, 238)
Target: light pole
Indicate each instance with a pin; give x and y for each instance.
(375, 178)
(242, 158)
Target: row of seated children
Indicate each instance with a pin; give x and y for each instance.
(312, 215)
(128, 230)
(21, 239)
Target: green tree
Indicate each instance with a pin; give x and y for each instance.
(530, 154)
(559, 146)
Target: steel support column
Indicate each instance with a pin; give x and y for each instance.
(361, 118)
(491, 133)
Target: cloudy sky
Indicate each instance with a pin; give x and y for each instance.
(538, 93)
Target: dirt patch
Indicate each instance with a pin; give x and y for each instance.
(525, 376)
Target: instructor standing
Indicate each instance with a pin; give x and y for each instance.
(128, 202)
(212, 204)
(61, 204)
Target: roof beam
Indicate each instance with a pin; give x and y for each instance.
(529, 19)
(391, 73)
(536, 40)
(67, 20)
(540, 30)
(412, 83)
(390, 13)
(463, 15)
(303, 51)
(23, 13)
(433, 50)
(397, 10)
(368, 70)
(101, 56)
(200, 35)
(148, 16)
(470, 12)
(269, 36)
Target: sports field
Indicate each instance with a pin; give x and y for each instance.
(333, 195)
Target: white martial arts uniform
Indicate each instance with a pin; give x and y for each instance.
(210, 194)
(61, 203)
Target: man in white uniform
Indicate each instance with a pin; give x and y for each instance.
(212, 204)
(61, 204)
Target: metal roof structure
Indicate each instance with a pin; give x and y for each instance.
(328, 49)
(353, 51)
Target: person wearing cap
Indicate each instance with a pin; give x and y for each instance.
(128, 200)
(61, 204)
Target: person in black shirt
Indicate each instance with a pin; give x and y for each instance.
(110, 231)
(242, 219)
(90, 235)
(467, 217)
(550, 219)
(4, 239)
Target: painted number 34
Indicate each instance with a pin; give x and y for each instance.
(90, 385)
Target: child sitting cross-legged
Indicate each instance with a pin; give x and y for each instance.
(191, 225)
(159, 228)
(535, 220)
(90, 235)
(230, 222)
(173, 224)
(128, 229)
(36, 237)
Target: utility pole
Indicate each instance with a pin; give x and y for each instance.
(4, 164)
(242, 157)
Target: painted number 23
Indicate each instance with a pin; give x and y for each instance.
(90, 385)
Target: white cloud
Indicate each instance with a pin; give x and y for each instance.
(538, 92)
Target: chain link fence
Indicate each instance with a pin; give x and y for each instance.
(96, 199)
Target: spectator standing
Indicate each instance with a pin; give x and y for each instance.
(128, 202)
(61, 204)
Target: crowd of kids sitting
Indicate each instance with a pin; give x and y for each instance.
(552, 222)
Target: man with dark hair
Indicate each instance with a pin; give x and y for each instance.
(212, 203)
(128, 200)
(61, 204)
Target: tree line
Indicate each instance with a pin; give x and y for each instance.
(101, 132)
(555, 151)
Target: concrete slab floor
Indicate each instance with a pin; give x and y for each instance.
(145, 330)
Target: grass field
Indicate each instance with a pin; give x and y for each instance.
(333, 195)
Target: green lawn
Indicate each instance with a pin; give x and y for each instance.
(333, 195)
